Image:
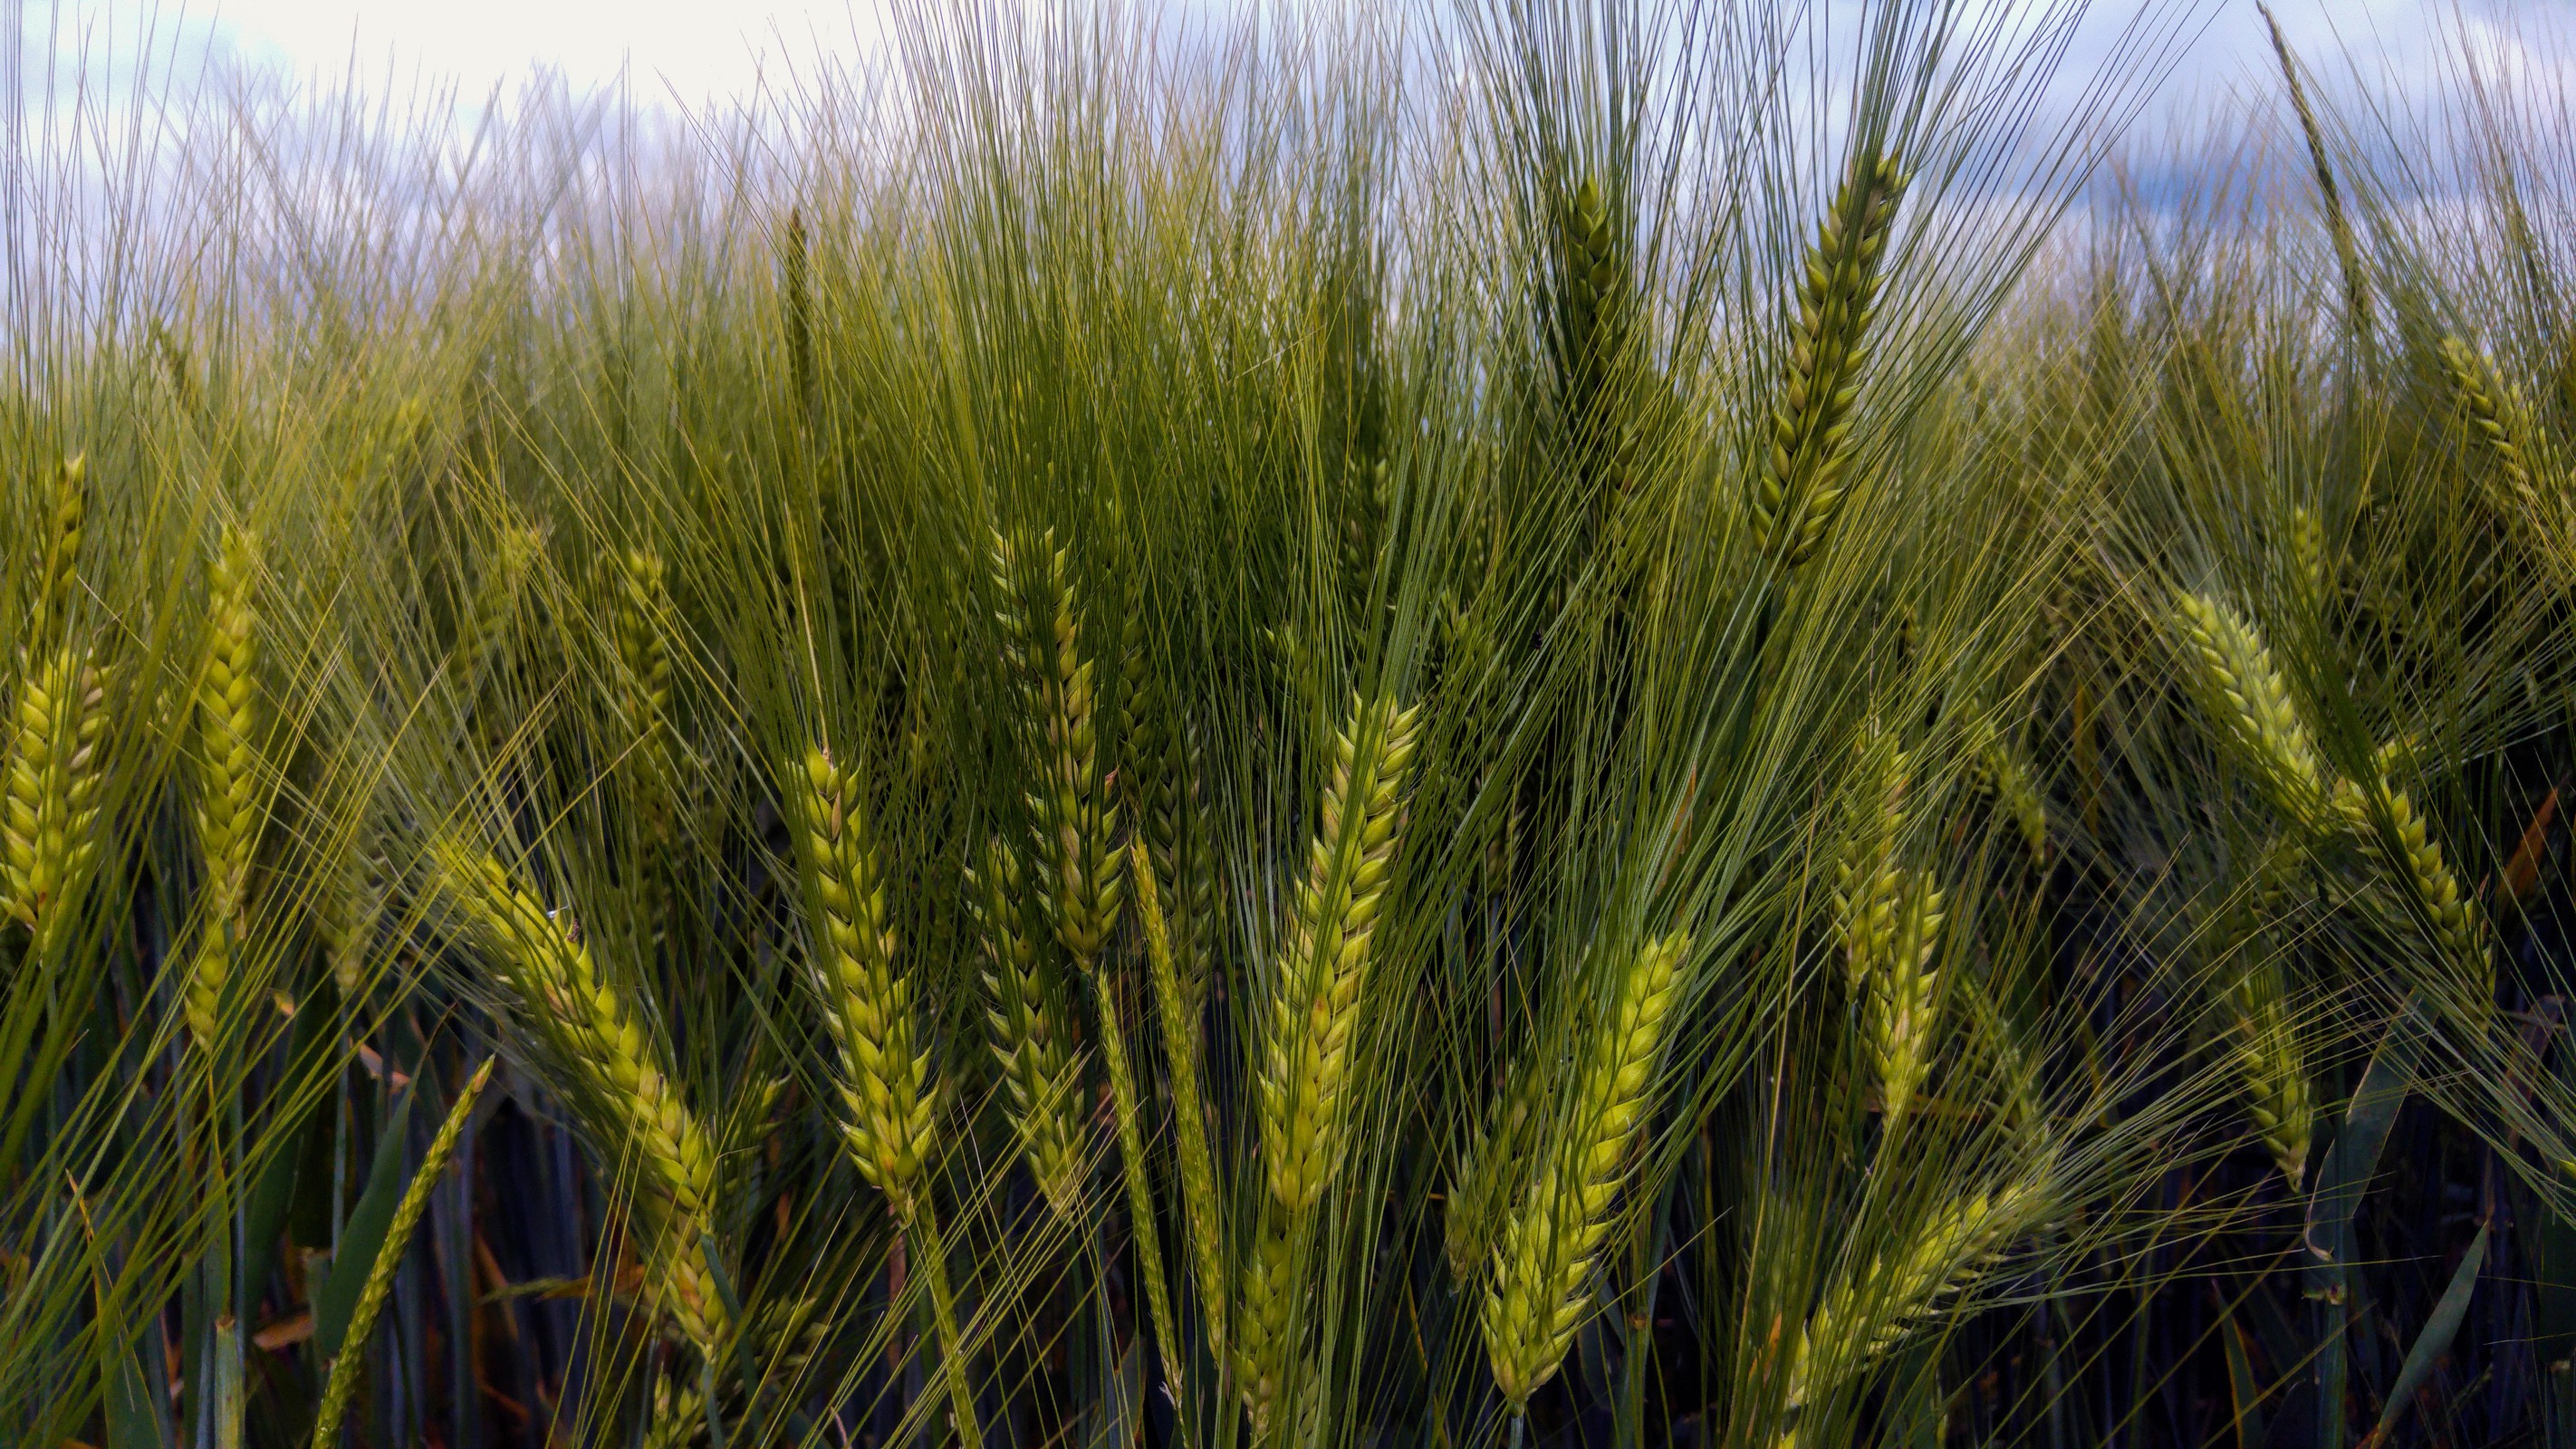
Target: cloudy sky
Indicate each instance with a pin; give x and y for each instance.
(696, 50)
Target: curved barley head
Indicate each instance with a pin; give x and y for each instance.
(2232, 670)
(584, 1015)
(229, 715)
(2497, 418)
(1317, 990)
(867, 1005)
(1881, 1296)
(62, 552)
(1041, 1076)
(49, 811)
(1800, 487)
(1042, 632)
(1540, 1291)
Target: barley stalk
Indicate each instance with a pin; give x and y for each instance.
(1178, 1011)
(229, 714)
(1539, 1293)
(1801, 486)
(350, 1365)
(1317, 990)
(1041, 1076)
(1140, 1197)
(568, 998)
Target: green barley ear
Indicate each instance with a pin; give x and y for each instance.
(352, 905)
(351, 1363)
(582, 1012)
(2273, 1062)
(2310, 572)
(228, 722)
(1074, 816)
(1541, 1288)
(867, 1004)
(49, 816)
(484, 632)
(888, 1105)
(2001, 769)
(2356, 282)
(1889, 917)
(1493, 1165)
(643, 606)
(1877, 1300)
(1317, 990)
(797, 264)
(1596, 328)
(1801, 486)
(1900, 1014)
(2499, 419)
(2408, 851)
(1266, 1321)
(2232, 670)
(62, 551)
(1040, 1074)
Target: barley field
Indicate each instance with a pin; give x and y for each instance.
(1487, 725)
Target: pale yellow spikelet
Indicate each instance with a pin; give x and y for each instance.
(229, 714)
(1540, 1290)
(1881, 1296)
(49, 816)
(867, 1004)
(2232, 669)
(1318, 987)
(1041, 1076)
(2311, 572)
(584, 1013)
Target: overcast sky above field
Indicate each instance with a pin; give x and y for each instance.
(696, 50)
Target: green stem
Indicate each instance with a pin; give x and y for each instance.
(933, 1256)
(1140, 1196)
(1179, 1017)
